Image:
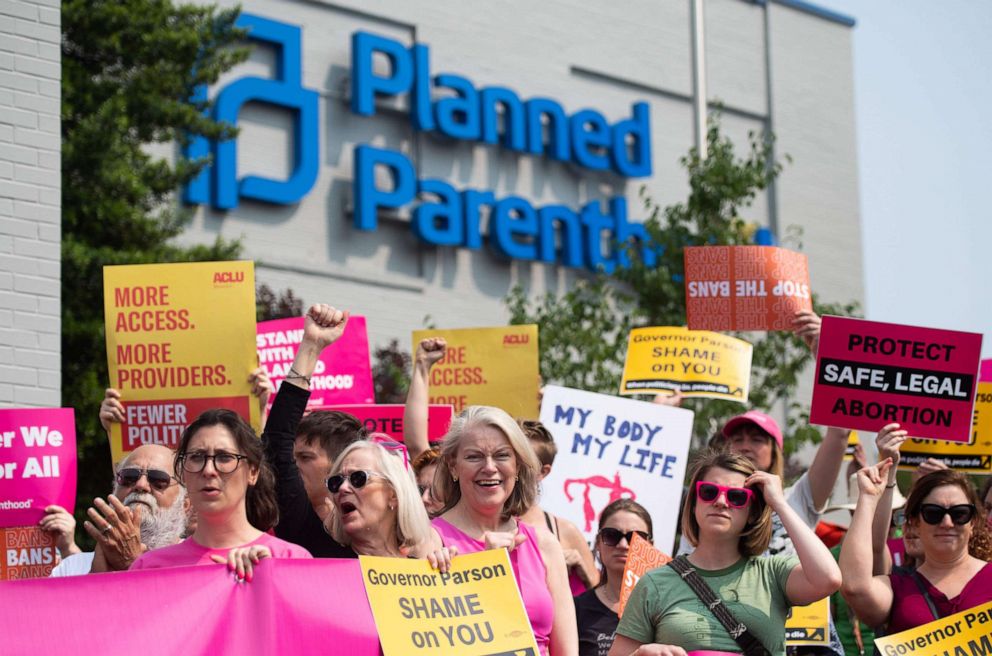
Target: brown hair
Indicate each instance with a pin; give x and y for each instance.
(758, 530)
(980, 544)
(260, 501)
(542, 441)
(425, 459)
(332, 430)
(720, 441)
(621, 505)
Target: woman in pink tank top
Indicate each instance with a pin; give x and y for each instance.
(488, 478)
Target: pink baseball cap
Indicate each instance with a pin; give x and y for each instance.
(759, 419)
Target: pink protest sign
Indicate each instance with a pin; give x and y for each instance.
(37, 463)
(985, 374)
(388, 418)
(290, 607)
(869, 374)
(343, 374)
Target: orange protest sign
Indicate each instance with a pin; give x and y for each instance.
(744, 287)
(28, 553)
(642, 557)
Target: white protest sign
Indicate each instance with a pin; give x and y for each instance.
(611, 448)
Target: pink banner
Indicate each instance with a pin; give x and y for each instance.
(37, 463)
(869, 374)
(388, 418)
(291, 607)
(343, 373)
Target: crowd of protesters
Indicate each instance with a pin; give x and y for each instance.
(317, 485)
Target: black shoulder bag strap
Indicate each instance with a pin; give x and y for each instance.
(737, 630)
(926, 595)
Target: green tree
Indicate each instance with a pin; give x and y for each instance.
(129, 68)
(584, 332)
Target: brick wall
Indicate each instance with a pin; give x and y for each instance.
(30, 200)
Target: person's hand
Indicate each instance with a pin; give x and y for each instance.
(117, 529)
(324, 325)
(430, 350)
(440, 559)
(242, 560)
(572, 557)
(806, 325)
(889, 440)
(261, 387)
(111, 410)
(872, 480)
(770, 487)
(62, 524)
(928, 466)
(503, 539)
(659, 650)
(674, 400)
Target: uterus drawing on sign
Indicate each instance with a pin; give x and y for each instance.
(589, 511)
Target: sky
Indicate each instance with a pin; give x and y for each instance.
(923, 99)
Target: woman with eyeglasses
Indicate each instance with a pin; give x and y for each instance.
(488, 479)
(596, 609)
(377, 510)
(230, 487)
(946, 515)
(727, 518)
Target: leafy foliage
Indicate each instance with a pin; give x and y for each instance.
(129, 68)
(389, 373)
(271, 305)
(584, 332)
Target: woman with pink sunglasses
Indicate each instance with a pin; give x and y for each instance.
(727, 518)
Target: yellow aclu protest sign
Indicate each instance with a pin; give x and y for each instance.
(974, 457)
(180, 340)
(968, 633)
(474, 609)
(696, 362)
(487, 366)
(809, 625)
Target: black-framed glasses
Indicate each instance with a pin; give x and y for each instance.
(224, 463)
(960, 514)
(357, 479)
(157, 479)
(611, 536)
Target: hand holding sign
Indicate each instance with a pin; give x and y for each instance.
(806, 324)
(111, 410)
(62, 525)
(889, 440)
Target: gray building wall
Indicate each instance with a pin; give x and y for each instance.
(30, 200)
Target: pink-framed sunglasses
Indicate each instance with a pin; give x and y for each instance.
(737, 497)
(387, 442)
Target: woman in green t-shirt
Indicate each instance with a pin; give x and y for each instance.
(727, 518)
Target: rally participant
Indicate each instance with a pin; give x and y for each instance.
(301, 449)
(377, 510)
(944, 510)
(582, 572)
(727, 518)
(146, 511)
(424, 467)
(596, 609)
(430, 351)
(489, 479)
(231, 489)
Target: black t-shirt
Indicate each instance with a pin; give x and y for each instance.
(597, 624)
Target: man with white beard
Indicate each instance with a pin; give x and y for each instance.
(147, 510)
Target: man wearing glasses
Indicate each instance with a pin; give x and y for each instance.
(147, 510)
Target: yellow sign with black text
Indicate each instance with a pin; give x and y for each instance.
(809, 625)
(968, 633)
(487, 366)
(474, 609)
(974, 457)
(664, 360)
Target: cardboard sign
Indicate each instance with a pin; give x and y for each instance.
(695, 362)
(611, 448)
(974, 457)
(744, 287)
(37, 463)
(869, 374)
(342, 374)
(180, 340)
(28, 553)
(642, 557)
(474, 609)
(487, 366)
(388, 418)
(809, 625)
(967, 633)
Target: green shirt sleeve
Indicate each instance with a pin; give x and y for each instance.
(782, 567)
(637, 623)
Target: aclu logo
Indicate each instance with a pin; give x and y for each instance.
(512, 340)
(228, 277)
(219, 184)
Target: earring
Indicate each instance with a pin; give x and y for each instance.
(454, 478)
(391, 508)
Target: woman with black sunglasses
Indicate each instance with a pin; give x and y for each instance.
(944, 511)
(596, 609)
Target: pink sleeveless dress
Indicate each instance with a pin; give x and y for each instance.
(528, 568)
